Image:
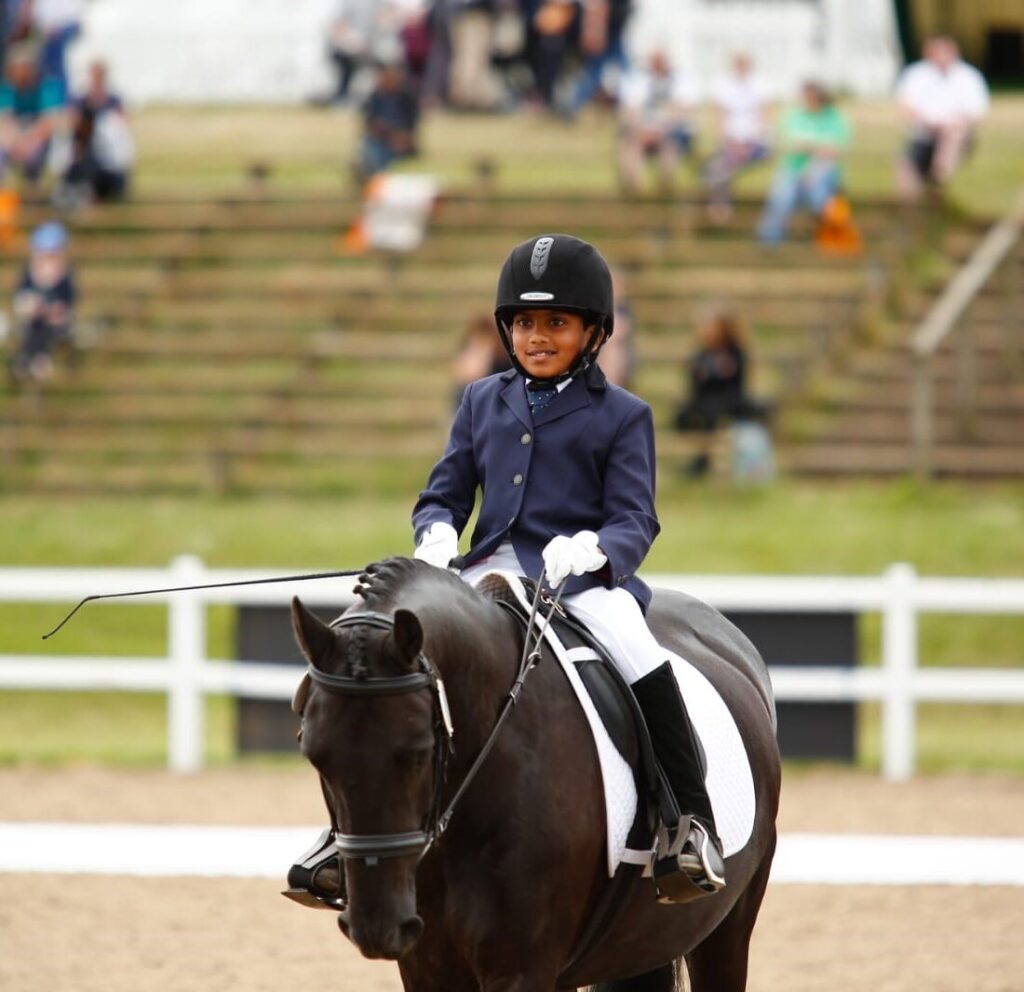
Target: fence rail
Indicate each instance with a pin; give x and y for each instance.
(185, 675)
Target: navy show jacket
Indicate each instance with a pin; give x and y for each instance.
(584, 462)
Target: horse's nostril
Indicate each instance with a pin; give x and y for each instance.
(409, 932)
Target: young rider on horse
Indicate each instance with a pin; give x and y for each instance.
(565, 461)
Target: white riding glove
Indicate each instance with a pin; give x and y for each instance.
(439, 545)
(572, 555)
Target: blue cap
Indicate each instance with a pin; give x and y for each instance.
(51, 236)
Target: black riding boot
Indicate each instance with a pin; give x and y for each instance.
(693, 863)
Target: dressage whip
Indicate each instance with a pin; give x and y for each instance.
(211, 585)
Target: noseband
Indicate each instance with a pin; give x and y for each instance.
(372, 847)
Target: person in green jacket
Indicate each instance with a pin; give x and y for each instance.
(812, 139)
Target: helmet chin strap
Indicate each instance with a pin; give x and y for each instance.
(587, 356)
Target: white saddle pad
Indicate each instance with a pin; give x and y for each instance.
(729, 780)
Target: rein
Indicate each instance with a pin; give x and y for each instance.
(372, 847)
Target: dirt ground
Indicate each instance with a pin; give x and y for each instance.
(116, 934)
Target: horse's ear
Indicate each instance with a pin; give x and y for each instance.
(314, 636)
(408, 635)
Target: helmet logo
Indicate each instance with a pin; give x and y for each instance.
(537, 297)
(540, 256)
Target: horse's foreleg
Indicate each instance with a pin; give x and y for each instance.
(719, 962)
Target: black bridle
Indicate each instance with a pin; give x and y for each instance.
(370, 848)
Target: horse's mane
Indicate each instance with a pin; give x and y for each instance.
(385, 583)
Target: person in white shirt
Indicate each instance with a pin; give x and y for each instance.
(656, 105)
(943, 99)
(743, 101)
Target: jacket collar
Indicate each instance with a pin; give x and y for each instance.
(572, 398)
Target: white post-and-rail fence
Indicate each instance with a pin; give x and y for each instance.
(185, 675)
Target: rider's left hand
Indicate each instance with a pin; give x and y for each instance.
(564, 556)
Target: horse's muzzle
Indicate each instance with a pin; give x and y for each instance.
(389, 943)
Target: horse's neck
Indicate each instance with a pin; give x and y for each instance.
(477, 657)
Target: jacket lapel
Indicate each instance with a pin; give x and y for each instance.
(514, 395)
(572, 398)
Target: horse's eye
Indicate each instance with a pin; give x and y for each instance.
(413, 759)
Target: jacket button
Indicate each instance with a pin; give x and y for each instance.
(517, 479)
(525, 439)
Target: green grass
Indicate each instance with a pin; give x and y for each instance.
(790, 528)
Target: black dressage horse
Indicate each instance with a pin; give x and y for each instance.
(502, 900)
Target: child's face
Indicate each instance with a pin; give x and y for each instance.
(547, 342)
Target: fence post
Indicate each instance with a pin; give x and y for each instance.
(921, 416)
(899, 662)
(186, 637)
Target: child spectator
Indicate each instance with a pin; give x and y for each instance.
(102, 150)
(656, 104)
(30, 107)
(717, 380)
(390, 117)
(812, 139)
(943, 99)
(44, 303)
(742, 100)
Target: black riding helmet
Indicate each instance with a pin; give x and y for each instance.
(559, 272)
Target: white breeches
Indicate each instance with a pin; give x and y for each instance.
(613, 615)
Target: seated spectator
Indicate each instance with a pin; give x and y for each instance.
(742, 100)
(812, 139)
(43, 303)
(30, 110)
(943, 99)
(656, 104)
(102, 149)
(390, 119)
(717, 383)
(480, 354)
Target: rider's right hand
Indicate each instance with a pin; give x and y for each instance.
(439, 545)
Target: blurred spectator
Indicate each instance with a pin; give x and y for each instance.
(742, 99)
(390, 118)
(30, 110)
(717, 383)
(602, 44)
(472, 83)
(57, 23)
(812, 139)
(360, 32)
(43, 303)
(552, 26)
(618, 356)
(102, 151)
(480, 354)
(656, 105)
(943, 99)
